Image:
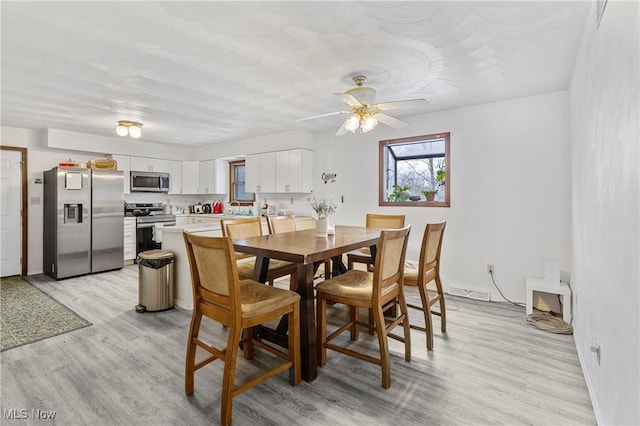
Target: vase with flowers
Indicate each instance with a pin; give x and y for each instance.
(324, 207)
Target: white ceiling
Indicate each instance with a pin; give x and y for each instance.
(196, 73)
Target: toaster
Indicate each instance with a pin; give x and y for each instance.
(198, 208)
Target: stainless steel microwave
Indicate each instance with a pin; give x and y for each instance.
(149, 182)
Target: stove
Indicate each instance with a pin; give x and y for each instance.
(149, 222)
(148, 214)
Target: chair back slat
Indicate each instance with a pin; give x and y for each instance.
(214, 275)
(391, 221)
(305, 223)
(281, 224)
(432, 245)
(241, 227)
(390, 257)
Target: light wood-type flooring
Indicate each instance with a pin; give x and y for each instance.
(128, 369)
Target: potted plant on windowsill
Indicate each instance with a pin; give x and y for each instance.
(430, 191)
(400, 193)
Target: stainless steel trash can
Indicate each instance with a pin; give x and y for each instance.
(155, 280)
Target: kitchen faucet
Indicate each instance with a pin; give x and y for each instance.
(237, 205)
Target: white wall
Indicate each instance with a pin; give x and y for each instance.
(39, 159)
(605, 139)
(510, 188)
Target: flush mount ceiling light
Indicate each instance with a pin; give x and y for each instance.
(131, 128)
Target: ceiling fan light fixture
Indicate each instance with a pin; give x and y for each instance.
(352, 123)
(131, 128)
(369, 122)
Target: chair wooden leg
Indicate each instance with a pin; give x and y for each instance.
(194, 329)
(228, 377)
(294, 344)
(426, 310)
(353, 313)
(247, 346)
(371, 326)
(443, 310)
(322, 330)
(378, 320)
(406, 326)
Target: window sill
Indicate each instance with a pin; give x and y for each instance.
(414, 203)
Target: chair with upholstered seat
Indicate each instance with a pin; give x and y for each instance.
(376, 291)
(289, 223)
(239, 305)
(252, 227)
(363, 255)
(425, 274)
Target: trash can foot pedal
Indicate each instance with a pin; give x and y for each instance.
(141, 308)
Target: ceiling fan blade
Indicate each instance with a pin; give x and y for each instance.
(322, 115)
(412, 103)
(348, 99)
(390, 121)
(343, 129)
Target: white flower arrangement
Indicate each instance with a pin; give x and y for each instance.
(323, 207)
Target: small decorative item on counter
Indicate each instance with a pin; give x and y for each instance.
(323, 208)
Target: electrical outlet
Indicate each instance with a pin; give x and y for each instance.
(490, 269)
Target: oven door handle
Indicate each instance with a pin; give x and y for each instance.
(150, 225)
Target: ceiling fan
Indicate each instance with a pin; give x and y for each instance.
(365, 115)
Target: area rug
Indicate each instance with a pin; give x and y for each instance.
(28, 315)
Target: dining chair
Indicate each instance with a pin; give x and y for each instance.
(425, 274)
(280, 224)
(239, 305)
(376, 291)
(252, 227)
(289, 223)
(363, 255)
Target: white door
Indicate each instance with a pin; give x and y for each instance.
(10, 205)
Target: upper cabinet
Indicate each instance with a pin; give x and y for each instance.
(123, 164)
(294, 171)
(213, 177)
(142, 164)
(175, 178)
(280, 172)
(190, 177)
(260, 172)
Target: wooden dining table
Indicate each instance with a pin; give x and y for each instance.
(307, 251)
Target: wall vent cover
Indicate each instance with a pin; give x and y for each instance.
(469, 293)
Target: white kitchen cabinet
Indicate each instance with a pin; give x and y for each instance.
(260, 172)
(205, 220)
(183, 220)
(143, 164)
(294, 171)
(190, 177)
(123, 165)
(129, 240)
(175, 178)
(213, 177)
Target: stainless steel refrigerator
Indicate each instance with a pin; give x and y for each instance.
(83, 221)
